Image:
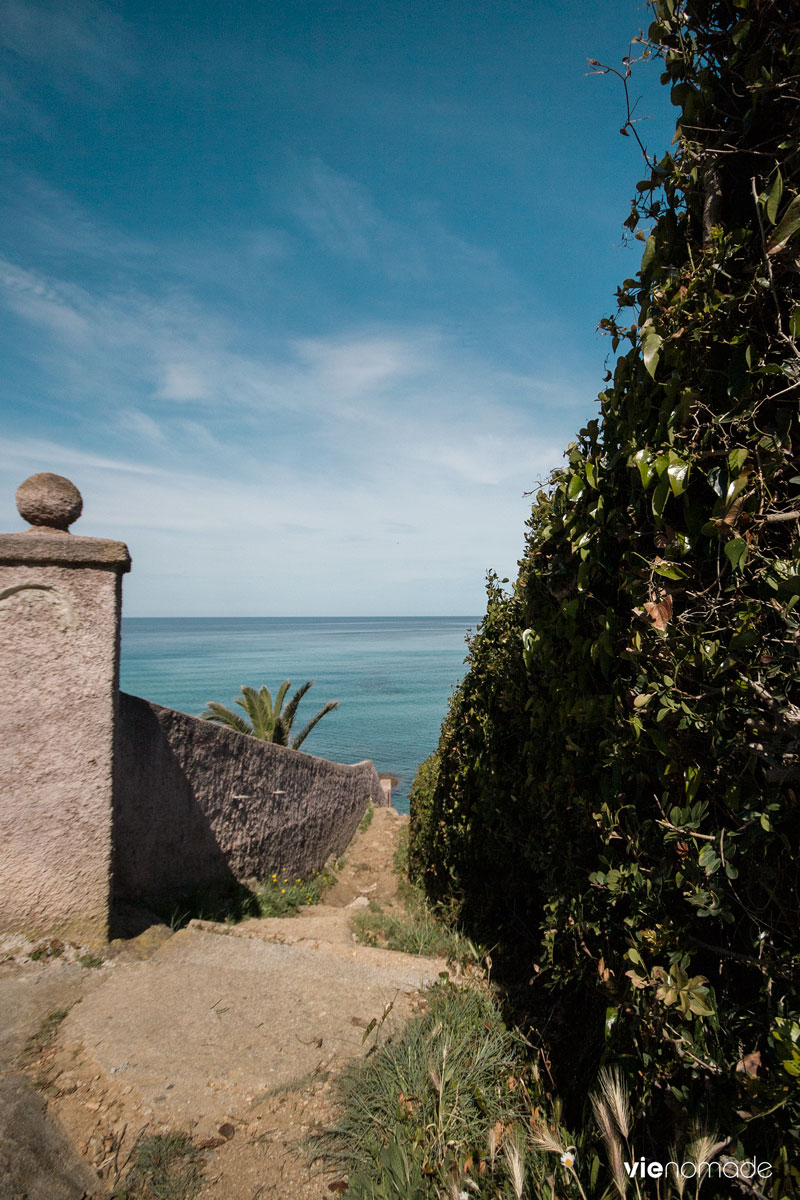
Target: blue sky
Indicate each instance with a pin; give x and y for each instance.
(303, 294)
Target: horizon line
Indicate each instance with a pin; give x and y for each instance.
(316, 617)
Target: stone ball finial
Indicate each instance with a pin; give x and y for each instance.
(49, 501)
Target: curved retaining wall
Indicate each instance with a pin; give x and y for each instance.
(196, 804)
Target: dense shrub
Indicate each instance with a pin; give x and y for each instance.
(616, 799)
(420, 800)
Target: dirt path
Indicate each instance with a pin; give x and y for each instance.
(235, 1034)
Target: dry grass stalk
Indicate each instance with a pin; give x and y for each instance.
(515, 1161)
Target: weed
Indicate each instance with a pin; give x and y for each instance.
(453, 1108)
(280, 895)
(165, 1167)
(35, 1054)
(39, 1041)
(414, 930)
(229, 901)
(418, 1113)
(90, 960)
(52, 949)
(283, 895)
(400, 863)
(366, 820)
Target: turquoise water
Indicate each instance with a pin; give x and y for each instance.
(392, 675)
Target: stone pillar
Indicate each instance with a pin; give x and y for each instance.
(60, 601)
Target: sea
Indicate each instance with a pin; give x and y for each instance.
(392, 676)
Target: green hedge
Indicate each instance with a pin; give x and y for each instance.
(420, 798)
(617, 795)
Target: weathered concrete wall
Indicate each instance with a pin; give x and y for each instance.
(59, 656)
(196, 803)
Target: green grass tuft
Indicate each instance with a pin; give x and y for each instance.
(428, 1113)
(165, 1167)
(366, 820)
(282, 895)
(39, 1041)
(52, 949)
(90, 960)
(416, 930)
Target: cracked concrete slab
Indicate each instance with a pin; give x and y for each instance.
(211, 1021)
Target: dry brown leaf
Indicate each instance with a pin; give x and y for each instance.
(750, 1064)
(659, 611)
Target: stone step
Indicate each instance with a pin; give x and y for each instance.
(318, 922)
(216, 1018)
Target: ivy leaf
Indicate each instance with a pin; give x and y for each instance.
(740, 32)
(670, 571)
(651, 347)
(640, 460)
(660, 496)
(678, 474)
(786, 228)
(735, 488)
(649, 253)
(575, 487)
(774, 199)
(698, 1006)
(736, 552)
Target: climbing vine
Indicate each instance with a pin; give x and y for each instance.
(616, 799)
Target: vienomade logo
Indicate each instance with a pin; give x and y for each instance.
(726, 1167)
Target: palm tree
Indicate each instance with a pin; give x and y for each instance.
(267, 721)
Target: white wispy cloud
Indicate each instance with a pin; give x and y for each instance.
(344, 218)
(437, 405)
(38, 299)
(351, 364)
(258, 469)
(36, 453)
(78, 42)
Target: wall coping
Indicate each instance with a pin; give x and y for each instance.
(52, 548)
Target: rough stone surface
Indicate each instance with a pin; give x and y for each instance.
(197, 804)
(48, 499)
(59, 655)
(49, 547)
(220, 1032)
(253, 1015)
(28, 993)
(37, 1159)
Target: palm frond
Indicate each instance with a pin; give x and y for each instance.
(225, 716)
(291, 707)
(267, 713)
(280, 731)
(266, 720)
(281, 696)
(249, 702)
(301, 737)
